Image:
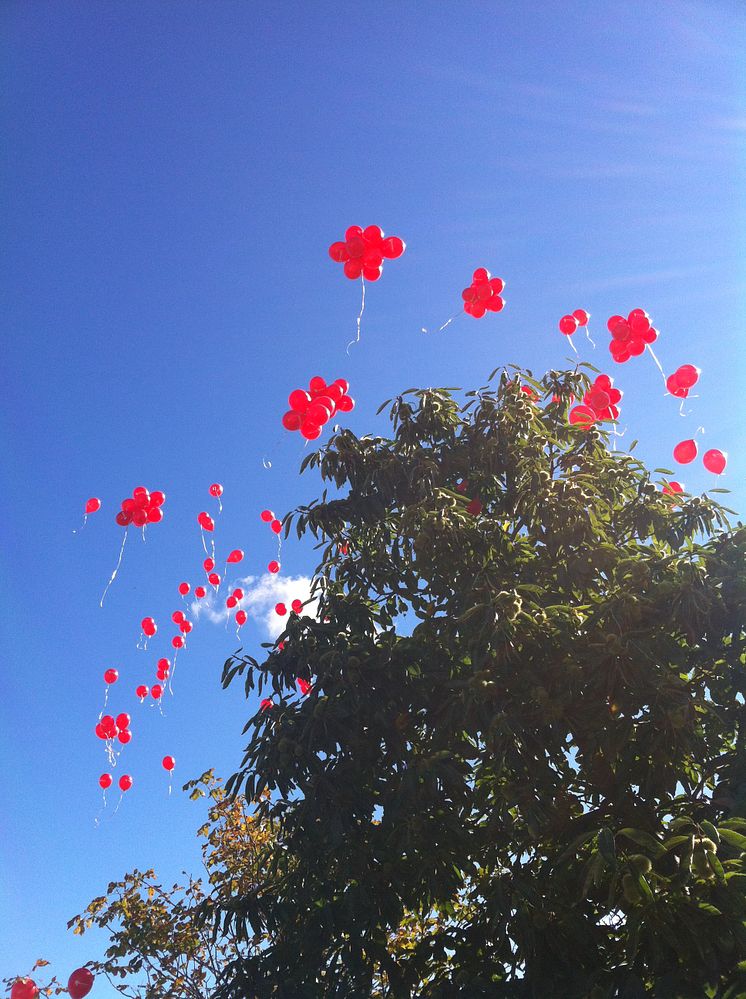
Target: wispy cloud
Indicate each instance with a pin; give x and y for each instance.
(261, 594)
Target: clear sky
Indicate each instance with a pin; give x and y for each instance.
(172, 175)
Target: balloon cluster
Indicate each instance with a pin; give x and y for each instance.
(683, 378)
(630, 336)
(483, 294)
(110, 728)
(569, 324)
(310, 411)
(714, 460)
(364, 250)
(600, 402)
(79, 984)
(141, 508)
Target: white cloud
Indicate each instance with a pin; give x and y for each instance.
(261, 594)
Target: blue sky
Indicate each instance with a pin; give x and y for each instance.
(172, 175)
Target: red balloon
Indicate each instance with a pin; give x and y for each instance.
(80, 983)
(216, 489)
(292, 420)
(24, 988)
(343, 384)
(178, 642)
(125, 782)
(675, 387)
(123, 720)
(124, 736)
(241, 618)
(177, 617)
(687, 375)
(108, 724)
(214, 579)
(266, 704)
(299, 401)
(715, 461)
(310, 431)
(231, 602)
(297, 606)
(111, 676)
(267, 516)
(157, 498)
(142, 691)
(581, 316)
(168, 763)
(346, 404)
(338, 252)
(474, 508)
(184, 589)
(200, 592)
(141, 496)
(101, 731)
(205, 521)
(568, 325)
(123, 519)
(208, 565)
(276, 526)
(582, 416)
(353, 269)
(671, 488)
(156, 691)
(185, 627)
(93, 505)
(303, 685)
(238, 593)
(273, 566)
(105, 781)
(236, 555)
(155, 515)
(393, 247)
(161, 674)
(685, 451)
(317, 385)
(281, 609)
(149, 626)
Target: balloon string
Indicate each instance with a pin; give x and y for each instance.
(116, 569)
(85, 521)
(266, 463)
(590, 338)
(359, 318)
(121, 798)
(573, 346)
(106, 701)
(448, 322)
(110, 754)
(202, 535)
(657, 362)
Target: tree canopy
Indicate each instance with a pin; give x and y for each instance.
(520, 768)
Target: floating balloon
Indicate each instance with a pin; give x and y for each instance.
(630, 336)
(200, 592)
(231, 601)
(687, 375)
(178, 642)
(266, 704)
(105, 781)
(125, 782)
(483, 294)
(208, 564)
(310, 411)
(184, 589)
(276, 526)
(297, 606)
(149, 627)
(715, 461)
(235, 556)
(156, 691)
(568, 325)
(267, 516)
(582, 416)
(93, 504)
(143, 507)
(241, 618)
(303, 685)
(142, 691)
(581, 317)
(185, 627)
(168, 763)
(123, 721)
(80, 983)
(274, 566)
(675, 388)
(24, 988)
(111, 676)
(603, 399)
(281, 609)
(216, 490)
(685, 451)
(214, 579)
(177, 617)
(672, 488)
(364, 250)
(124, 736)
(205, 521)
(238, 593)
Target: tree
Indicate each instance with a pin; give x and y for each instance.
(158, 947)
(520, 769)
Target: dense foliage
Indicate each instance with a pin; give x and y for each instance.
(520, 771)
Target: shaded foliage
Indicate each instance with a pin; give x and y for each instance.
(520, 771)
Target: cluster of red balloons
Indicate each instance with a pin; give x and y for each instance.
(714, 460)
(275, 525)
(149, 627)
(483, 294)
(310, 411)
(364, 250)
(569, 324)
(296, 606)
(110, 728)
(600, 402)
(79, 984)
(630, 336)
(212, 577)
(683, 378)
(141, 508)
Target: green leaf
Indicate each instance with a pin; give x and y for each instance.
(645, 840)
(732, 838)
